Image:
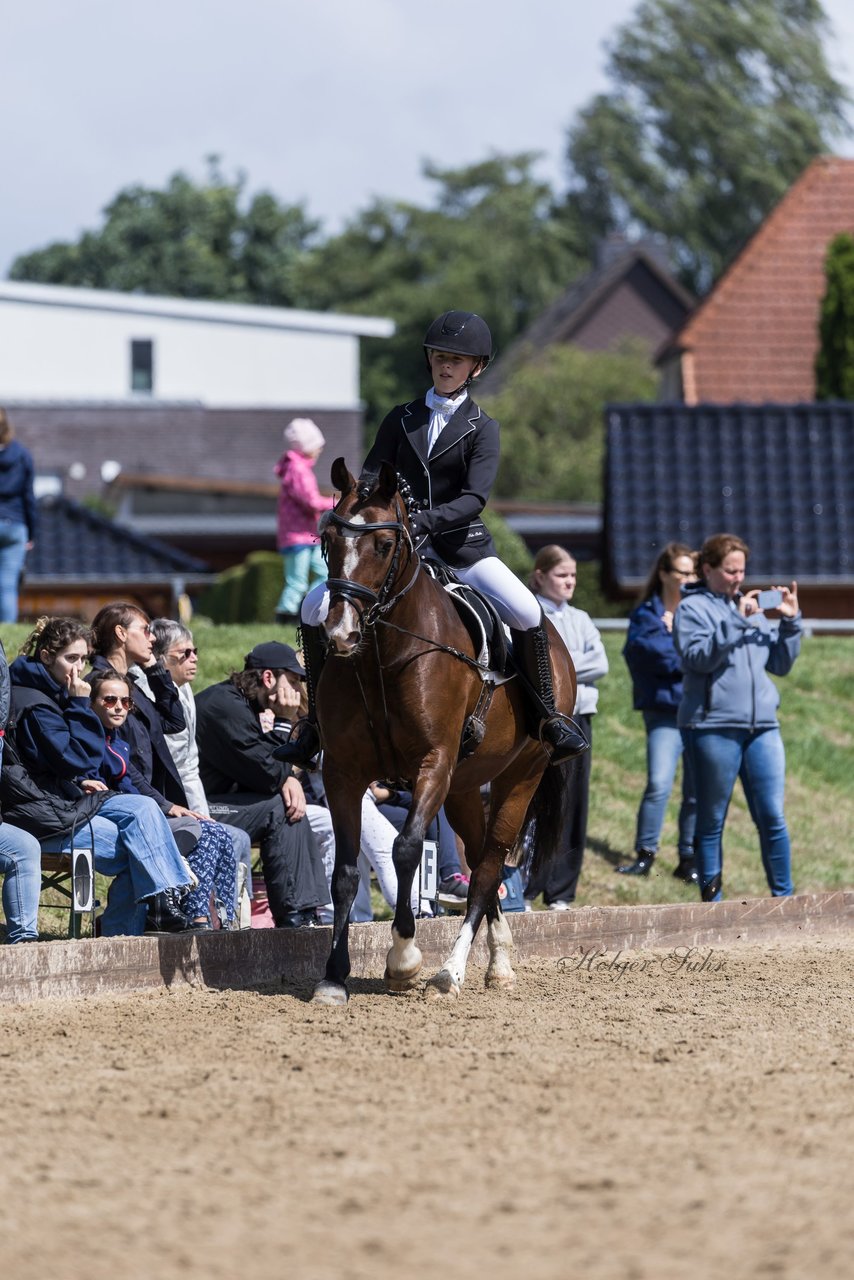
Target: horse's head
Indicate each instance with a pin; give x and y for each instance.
(363, 539)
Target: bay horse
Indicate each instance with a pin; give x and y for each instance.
(398, 685)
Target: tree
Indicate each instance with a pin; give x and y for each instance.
(834, 365)
(188, 240)
(550, 412)
(489, 244)
(717, 106)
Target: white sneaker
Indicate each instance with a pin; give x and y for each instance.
(560, 905)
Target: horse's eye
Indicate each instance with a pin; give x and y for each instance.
(385, 547)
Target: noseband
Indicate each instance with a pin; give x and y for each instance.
(370, 604)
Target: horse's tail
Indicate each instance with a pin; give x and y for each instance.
(539, 840)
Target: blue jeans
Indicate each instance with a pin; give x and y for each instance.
(663, 748)
(21, 866)
(719, 756)
(13, 549)
(301, 565)
(134, 845)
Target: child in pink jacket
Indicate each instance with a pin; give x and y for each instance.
(300, 507)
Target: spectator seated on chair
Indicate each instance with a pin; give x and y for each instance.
(211, 858)
(250, 788)
(57, 736)
(20, 855)
(174, 648)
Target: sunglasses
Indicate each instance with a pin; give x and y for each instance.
(184, 655)
(110, 700)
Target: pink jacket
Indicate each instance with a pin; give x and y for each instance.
(300, 501)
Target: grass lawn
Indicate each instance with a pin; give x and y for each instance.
(816, 715)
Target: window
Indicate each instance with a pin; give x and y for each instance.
(142, 365)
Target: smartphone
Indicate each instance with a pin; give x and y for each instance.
(769, 599)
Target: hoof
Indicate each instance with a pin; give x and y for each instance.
(442, 987)
(399, 984)
(497, 981)
(330, 993)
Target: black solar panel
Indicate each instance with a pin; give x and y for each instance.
(74, 542)
(779, 476)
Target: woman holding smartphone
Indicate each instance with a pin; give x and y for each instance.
(728, 712)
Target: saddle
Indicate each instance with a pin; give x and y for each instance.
(480, 619)
(489, 638)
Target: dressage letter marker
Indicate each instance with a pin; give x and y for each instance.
(429, 870)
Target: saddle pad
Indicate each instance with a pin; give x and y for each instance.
(483, 625)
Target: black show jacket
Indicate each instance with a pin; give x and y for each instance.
(454, 483)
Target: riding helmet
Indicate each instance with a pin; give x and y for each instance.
(461, 332)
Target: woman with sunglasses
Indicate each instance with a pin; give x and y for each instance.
(123, 642)
(57, 737)
(173, 646)
(211, 859)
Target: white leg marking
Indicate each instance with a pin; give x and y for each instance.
(499, 972)
(402, 964)
(450, 978)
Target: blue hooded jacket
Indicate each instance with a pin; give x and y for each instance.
(63, 737)
(726, 659)
(652, 659)
(17, 500)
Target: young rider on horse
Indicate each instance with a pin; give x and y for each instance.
(447, 449)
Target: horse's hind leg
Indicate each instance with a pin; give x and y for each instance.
(465, 814)
(508, 806)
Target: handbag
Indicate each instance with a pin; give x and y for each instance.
(44, 806)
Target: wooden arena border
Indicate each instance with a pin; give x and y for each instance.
(254, 957)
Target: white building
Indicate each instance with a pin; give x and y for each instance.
(179, 404)
(59, 343)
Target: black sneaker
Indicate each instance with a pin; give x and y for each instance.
(454, 891)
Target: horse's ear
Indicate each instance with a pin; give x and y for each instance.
(341, 477)
(387, 483)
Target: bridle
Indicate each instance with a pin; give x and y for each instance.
(370, 605)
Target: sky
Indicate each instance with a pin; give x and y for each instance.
(329, 102)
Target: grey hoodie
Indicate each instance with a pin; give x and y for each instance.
(726, 659)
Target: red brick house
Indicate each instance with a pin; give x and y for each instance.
(754, 338)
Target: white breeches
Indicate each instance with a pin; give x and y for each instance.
(515, 604)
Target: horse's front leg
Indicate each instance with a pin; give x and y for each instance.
(403, 962)
(346, 823)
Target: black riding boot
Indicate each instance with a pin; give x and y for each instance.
(303, 749)
(531, 655)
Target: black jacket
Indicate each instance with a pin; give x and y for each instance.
(234, 752)
(152, 770)
(454, 483)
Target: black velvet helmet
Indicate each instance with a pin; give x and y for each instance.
(462, 332)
